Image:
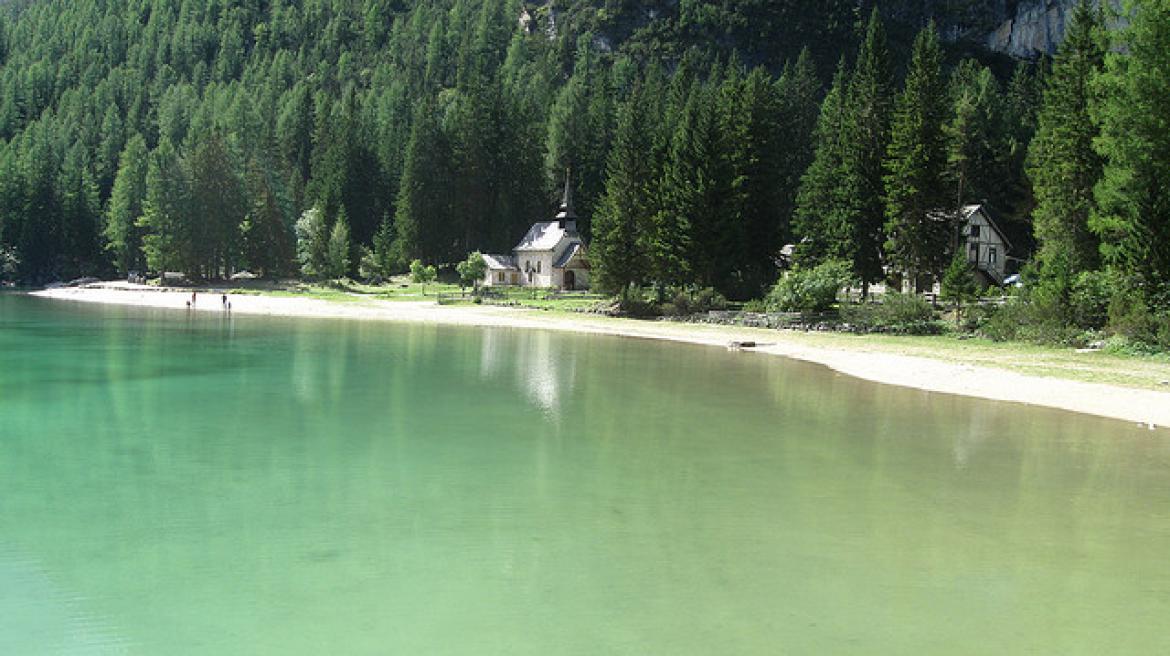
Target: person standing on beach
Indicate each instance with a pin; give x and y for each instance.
(224, 301)
(192, 298)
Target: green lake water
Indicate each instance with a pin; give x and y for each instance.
(197, 484)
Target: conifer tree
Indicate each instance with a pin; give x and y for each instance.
(622, 234)
(920, 225)
(420, 219)
(821, 223)
(692, 228)
(338, 260)
(268, 247)
(122, 234)
(1133, 215)
(750, 121)
(1062, 163)
(80, 216)
(166, 241)
(579, 130)
(978, 154)
(868, 106)
(216, 208)
(798, 92)
(312, 233)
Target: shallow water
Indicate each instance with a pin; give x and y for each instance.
(175, 484)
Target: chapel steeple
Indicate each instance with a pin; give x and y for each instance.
(567, 216)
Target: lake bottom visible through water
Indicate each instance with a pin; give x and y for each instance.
(175, 483)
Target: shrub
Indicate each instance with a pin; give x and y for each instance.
(903, 314)
(9, 263)
(1132, 319)
(810, 290)
(755, 305)
(694, 301)
(634, 305)
(1089, 298)
(1031, 317)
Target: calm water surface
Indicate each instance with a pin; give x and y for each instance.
(174, 484)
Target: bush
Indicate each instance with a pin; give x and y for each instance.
(684, 302)
(1089, 298)
(634, 305)
(757, 305)
(9, 263)
(902, 314)
(811, 290)
(1132, 319)
(977, 316)
(1031, 317)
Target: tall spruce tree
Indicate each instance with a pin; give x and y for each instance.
(166, 241)
(422, 229)
(1062, 163)
(868, 106)
(798, 92)
(216, 207)
(122, 234)
(80, 216)
(268, 243)
(821, 223)
(1133, 215)
(749, 116)
(920, 222)
(622, 233)
(579, 127)
(693, 226)
(978, 150)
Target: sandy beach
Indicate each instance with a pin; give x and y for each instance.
(1148, 407)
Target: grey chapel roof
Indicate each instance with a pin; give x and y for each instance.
(542, 236)
(500, 262)
(571, 251)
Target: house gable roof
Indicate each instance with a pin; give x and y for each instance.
(971, 210)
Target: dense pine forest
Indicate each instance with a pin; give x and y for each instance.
(331, 138)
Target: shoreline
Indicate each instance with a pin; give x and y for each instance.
(1150, 408)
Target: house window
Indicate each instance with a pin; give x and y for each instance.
(974, 257)
(974, 231)
(538, 266)
(500, 277)
(991, 254)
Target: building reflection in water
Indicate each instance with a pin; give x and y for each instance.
(543, 365)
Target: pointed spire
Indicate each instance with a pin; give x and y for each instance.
(567, 216)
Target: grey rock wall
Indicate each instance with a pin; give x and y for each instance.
(1037, 28)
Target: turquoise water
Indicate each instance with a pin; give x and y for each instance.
(174, 484)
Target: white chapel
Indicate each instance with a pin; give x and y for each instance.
(551, 255)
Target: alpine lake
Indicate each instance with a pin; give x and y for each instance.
(198, 483)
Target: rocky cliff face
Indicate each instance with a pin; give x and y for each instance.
(1021, 28)
(1036, 28)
